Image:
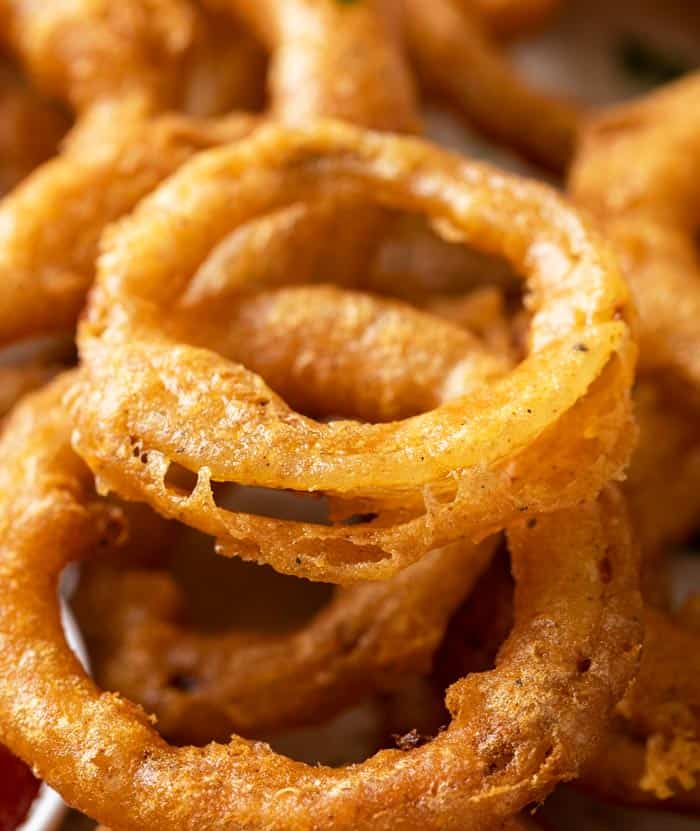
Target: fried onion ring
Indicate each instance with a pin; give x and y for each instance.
(654, 756)
(372, 634)
(651, 756)
(121, 69)
(549, 433)
(569, 657)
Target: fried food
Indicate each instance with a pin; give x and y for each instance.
(371, 636)
(117, 68)
(570, 393)
(344, 355)
(561, 670)
(652, 756)
(655, 755)
(122, 70)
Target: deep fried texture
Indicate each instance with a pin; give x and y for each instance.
(636, 172)
(521, 823)
(44, 276)
(652, 758)
(549, 433)
(123, 69)
(18, 789)
(372, 635)
(515, 733)
(116, 66)
(456, 58)
(649, 214)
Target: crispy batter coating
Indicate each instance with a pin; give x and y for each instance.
(372, 635)
(634, 172)
(123, 69)
(652, 758)
(45, 275)
(327, 58)
(572, 651)
(521, 823)
(548, 433)
(85, 51)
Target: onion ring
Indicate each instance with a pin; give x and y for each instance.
(326, 58)
(562, 668)
(371, 635)
(651, 756)
(471, 486)
(118, 69)
(522, 823)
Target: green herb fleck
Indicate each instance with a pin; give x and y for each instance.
(648, 64)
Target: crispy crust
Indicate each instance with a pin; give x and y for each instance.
(123, 69)
(571, 654)
(551, 432)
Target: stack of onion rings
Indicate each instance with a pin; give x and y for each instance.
(94, 746)
(584, 345)
(319, 310)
